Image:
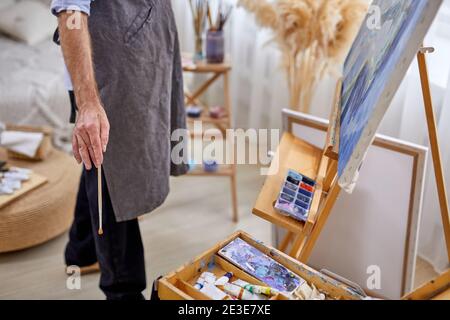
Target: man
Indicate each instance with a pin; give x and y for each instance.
(125, 68)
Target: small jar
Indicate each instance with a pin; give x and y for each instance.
(215, 46)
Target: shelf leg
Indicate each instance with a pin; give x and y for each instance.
(234, 196)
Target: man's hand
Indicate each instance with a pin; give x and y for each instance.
(90, 136)
(91, 133)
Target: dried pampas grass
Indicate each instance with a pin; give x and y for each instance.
(263, 10)
(313, 35)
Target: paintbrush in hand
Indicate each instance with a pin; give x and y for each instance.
(100, 200)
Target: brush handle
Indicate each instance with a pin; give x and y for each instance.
(100, 201)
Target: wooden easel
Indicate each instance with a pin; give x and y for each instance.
(296, 154)
(434, 142)
(439, 288)
(319, 164)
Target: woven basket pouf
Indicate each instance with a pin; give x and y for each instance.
(46, 212)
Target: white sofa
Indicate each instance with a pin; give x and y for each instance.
(32, 89)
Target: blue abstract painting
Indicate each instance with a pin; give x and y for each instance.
(373, 61)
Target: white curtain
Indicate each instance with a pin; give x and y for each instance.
(259, 93)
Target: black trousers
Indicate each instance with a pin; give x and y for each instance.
(119, 250)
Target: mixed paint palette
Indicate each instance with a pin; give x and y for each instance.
(296, 196)
(261, 266)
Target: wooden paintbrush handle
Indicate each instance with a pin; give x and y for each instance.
(100, 201)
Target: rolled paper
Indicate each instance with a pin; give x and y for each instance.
(241, 293)
(267, 291)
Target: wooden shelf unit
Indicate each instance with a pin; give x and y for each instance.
(223, 171)
(217, 71)
(207, 119)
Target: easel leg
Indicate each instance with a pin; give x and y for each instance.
(320, 223)
(286, 241)
(298, 245)
(435, 151)
(331, 174)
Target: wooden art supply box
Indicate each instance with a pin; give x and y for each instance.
(179, 285)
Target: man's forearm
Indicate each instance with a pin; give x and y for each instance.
(77, 51)
(91, 133)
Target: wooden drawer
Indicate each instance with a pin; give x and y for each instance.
(179, 285)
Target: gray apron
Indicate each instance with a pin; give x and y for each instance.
(139, 74)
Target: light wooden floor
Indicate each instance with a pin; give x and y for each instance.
(196, 216)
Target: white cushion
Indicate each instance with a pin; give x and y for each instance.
(6, 3)
(28, 21)
(45, 2)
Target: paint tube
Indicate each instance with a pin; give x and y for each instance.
(205, 277)
(305, 292)
(241, 293)
(267, 291)
(225, 279)
(214, 293)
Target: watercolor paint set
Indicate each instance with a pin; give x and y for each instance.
(296, 196)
